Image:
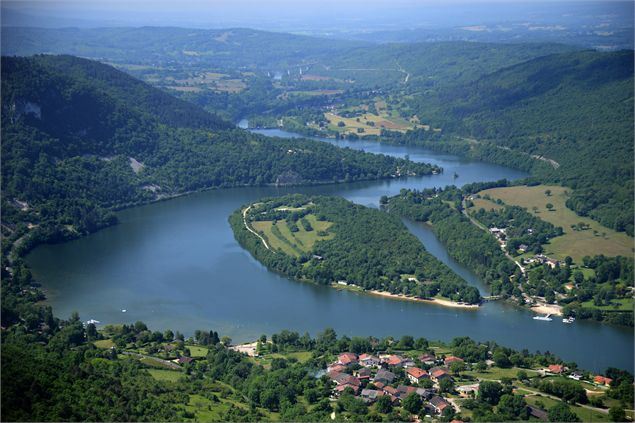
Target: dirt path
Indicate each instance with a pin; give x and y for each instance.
(264, 242)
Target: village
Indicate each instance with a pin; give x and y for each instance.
(435, 380)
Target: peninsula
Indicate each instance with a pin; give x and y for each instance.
(331, 241)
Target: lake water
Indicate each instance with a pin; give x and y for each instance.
(175, 264)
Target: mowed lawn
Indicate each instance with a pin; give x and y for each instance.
(296, 243)
(196, 351)
(576, 244)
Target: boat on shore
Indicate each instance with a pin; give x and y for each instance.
(546, 318)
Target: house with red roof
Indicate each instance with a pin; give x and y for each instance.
(339, 389)
(439, 404)
(347, 358)
(416, 375)
(556, 368)
(601, 380)
(427, 359)
(452, 359)
(394, 360)
(439, 373)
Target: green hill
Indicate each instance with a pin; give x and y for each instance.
(574, 108)
(80, 138)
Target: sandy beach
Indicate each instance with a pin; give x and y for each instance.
(547, 309)
(445, 303)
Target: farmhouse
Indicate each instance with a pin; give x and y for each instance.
(363, 373)
(345, 379)
(370, 395)
(416, 375)
(394, 360)
(467, 391)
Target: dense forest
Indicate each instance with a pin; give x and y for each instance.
(369, 249)
(81, 139)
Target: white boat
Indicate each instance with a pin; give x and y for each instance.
(546, 318)
(123, 310)
(568, 320)
(93, 321)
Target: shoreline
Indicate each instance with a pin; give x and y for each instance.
(437, 301)
(553, 309)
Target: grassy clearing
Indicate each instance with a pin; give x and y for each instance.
(295, 243)
(104, 344)
(196, 351)
(584, 414)
(498, 373)
(481, 203)
(576, 244)
(165, 375)
(620, 304)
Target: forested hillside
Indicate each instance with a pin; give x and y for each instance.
(80, 138)
(573, 108)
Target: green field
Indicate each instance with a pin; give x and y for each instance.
(149, 361)
(576, 244)
(293, 244)
(165, 375)
(196, 351)
(498, 373)
(104, 343)
(584, 414)
(619, 304)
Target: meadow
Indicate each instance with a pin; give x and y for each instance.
(292, 243)
(596, 239)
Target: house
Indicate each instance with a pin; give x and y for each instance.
(394, 360)
(379, 385)
(452, 359)
(552, 263)
(468, 391)
(556, 368)
(368, 360)
(185, 360)
(416, 375)
(601, 380)
(522, 248)
(439, 404)
(439, 373)
(347, 358)
(403, 391)
(336, 367)
(363, 373)
(345, 379)
(339, 389)
(427, 359)
(384, 376)
(425, 393)
(407, 362)
(392, 393)
(577, 375)
(370, 395)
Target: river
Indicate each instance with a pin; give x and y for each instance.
(175, 264)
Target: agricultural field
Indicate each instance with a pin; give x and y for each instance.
(594, 240)
(294, 244)
(165, 375)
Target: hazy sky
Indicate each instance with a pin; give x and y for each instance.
(290, 14)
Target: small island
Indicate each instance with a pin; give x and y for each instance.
(332, 241)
